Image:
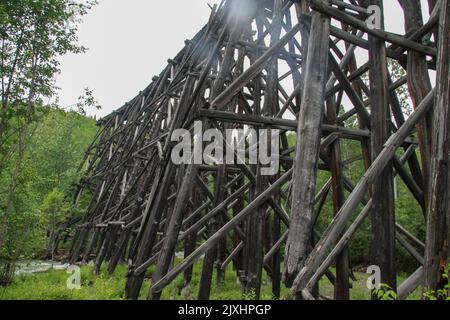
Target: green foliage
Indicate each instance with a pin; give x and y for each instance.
(33, 34)
(51, 285)
(249, 296)
(396, 72)
(54, 205)
(441, 294)
(87, 99)
(44, 186)
(385, 293)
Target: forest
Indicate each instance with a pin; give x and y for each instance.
(101, 197)
(41, 144)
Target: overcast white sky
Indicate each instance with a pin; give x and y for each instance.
(130, 41)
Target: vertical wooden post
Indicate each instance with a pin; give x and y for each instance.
(174, 226)
(383, 218)
(241, 73)
(149, 229)
(437, 252)
(342, 284)
(276, 259)
(308, 145)
(419, 86)
(210, 256)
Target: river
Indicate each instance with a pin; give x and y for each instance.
(36, 266)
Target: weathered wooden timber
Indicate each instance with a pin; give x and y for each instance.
(284, 65)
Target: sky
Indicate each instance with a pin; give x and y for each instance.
(129, 42)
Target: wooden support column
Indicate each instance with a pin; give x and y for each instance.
(342, 284)
(240, 22)
(144, 208)
(156, 204)
(174, 226)
(240, 205)
(189, 247)
(308, 147)
(338, 225)
(210, 256)
(174, 222)
(437, 251)
(276, 258)
(383, 216)
(255, 243)
(207, 245)
(419, 86)
(149, 229)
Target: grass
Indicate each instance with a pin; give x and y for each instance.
(51, 285)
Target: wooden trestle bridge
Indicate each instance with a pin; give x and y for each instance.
(287, 65)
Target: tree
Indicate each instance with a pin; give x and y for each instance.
(54, 209)
(43, 198)
(33, 33)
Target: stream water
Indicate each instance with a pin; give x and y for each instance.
(35, 266)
